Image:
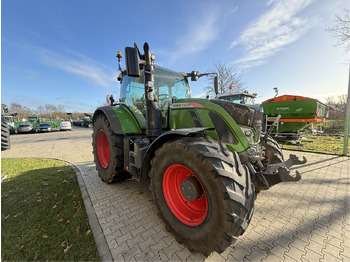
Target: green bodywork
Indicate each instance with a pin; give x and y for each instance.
(300, 109)
(180, 118)
(286, 127)
(127, 120)
(305, 110)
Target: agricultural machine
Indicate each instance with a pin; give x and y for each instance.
(206, 159)
(291, 114)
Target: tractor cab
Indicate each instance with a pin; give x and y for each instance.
(169, 86)
(245, 97)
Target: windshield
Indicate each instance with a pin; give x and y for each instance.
(167, 84)
(239, 99)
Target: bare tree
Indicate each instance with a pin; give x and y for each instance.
(337, 107)
(228, 76)
(341, 30)
(22, 111)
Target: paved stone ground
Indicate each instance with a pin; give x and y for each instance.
(304, 221)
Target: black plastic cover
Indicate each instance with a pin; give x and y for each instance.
(244, 115)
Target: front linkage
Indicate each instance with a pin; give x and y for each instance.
(272, 174)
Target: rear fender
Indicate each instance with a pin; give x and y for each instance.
(164, 138)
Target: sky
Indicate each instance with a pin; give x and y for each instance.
(64, 52)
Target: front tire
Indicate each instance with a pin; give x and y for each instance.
(5, 136)
(108, 151)
(273, 152)
(218, 203)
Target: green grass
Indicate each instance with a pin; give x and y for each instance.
(42, 213)
(321, 144)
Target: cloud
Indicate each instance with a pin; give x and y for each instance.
(272, 31)
(200, 33)
(64, 97)
(79, 65)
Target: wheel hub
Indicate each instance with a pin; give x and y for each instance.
(191, 189)
(185, 195)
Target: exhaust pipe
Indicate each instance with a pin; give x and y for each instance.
(153, 113)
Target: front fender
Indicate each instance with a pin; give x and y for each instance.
(121, 119)
(164, 138)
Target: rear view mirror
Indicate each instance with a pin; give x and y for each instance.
(216, 85)
(132, 62)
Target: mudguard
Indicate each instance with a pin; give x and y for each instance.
(162, 139)
(128, 125)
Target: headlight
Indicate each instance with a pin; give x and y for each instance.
(249, 134)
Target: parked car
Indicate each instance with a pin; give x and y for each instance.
(44, 127)
(65, 125)
(25, 128)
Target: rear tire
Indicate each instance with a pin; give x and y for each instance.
(5, 136)
(108, 151)
(224, 204)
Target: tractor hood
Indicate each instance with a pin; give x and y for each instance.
(236, 125)
(244, 115)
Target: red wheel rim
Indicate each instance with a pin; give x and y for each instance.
(191, 213)
(102, 148)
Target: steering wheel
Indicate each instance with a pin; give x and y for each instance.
(163, 100)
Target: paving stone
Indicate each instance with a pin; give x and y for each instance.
(183, 254)
(314, 246)
(289, 259)
(159, 256)
(195, 257)
(311, 255)
(284, 241)
(329, 258)
(320, 239)
(134, 240)
(256, 254)
(336, 242)
(159, 235)
(227, 251)
(175, 258)
(278, 251)
(123, 238)
(169, 239)
(144, 245)
(145, 255)
(158, 246)
(294, 252)
(332, 250)
(263, 246)
(149, 232)
(118, 249)
(172, 249)
(239, 253)
(137, 231)
(272, 257)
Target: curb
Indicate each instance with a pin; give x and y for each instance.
(100, 240)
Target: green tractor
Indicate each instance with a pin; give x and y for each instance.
(206, 159)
